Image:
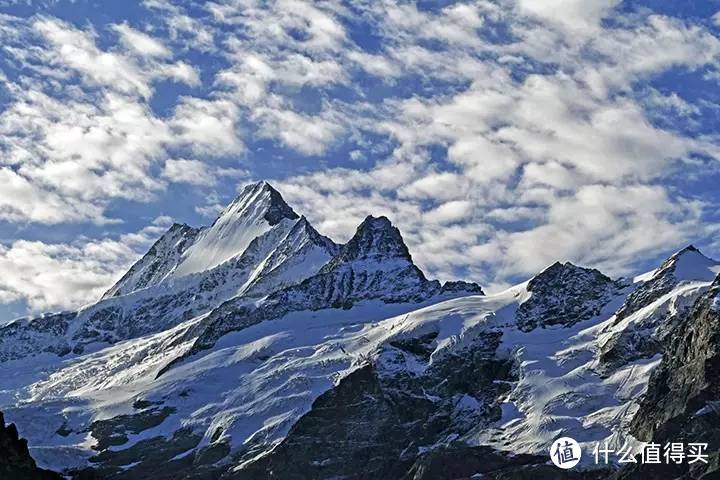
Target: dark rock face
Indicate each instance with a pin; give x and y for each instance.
(564, 294)
(460, 286)
(460, 462)
(681, 404)
(157, 262)
(42, 334)
(152, 458)
(115, 431)
(278, 209)
(15, 460)
(376, 239)
(379, 420)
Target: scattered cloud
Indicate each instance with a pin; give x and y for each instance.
(193, 172)
(499, 135)
(52, 276)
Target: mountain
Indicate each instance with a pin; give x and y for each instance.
(184, 250)
(162, 258)
(154, 295)
(668, 293)
(258, 348)
(375, 265)
(681, 404)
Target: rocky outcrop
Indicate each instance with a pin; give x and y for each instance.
(15, 460)
(682, 403)
(564, 294)
(461, 287)
(161, 259)
(460, 462)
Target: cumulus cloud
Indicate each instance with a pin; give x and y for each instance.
(141, 42)
(52, 276)
(193, 172)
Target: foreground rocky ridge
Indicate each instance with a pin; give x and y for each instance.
(281, 354)
(15, 460)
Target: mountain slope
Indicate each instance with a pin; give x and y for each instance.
(162, 258)
(255, 211)
(682, 400)
(184, 250)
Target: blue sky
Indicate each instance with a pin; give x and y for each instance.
(499, 136)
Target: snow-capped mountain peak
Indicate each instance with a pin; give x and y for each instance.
(565, 294)
(184, 250)
(689, 264)
(262, 198)
(376, 241)
(279, 342)
(257, 209)
(685, 266)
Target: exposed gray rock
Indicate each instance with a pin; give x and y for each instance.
(374, 265)
(161, 259)
(380, 420)
(682, 400)
(564, 294)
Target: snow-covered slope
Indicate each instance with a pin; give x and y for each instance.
(256, 210)
(162, 258)
(298, 358)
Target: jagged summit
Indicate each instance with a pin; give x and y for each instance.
(565, 294)
(553, 271)
(184, 250)
(686, 265)
(375, 265)
(304, 225)
(376, 240)
(689, 264)
(274, 205)
(257, 209)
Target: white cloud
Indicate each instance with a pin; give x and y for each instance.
(141, 42)
(207, 126)
(580, 16)
(52, 276)
(193, 172)
(310, 135)
(450, 212)
(545, 128)
(76, 50)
